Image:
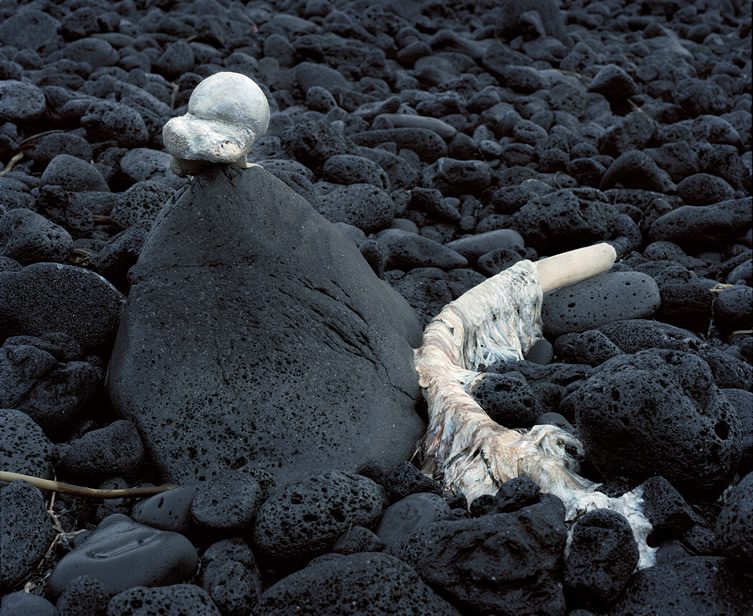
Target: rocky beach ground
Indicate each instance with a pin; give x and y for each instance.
(448, 140)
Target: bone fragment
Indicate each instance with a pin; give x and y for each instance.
(464, 448)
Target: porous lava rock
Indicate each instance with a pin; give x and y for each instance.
(295, 308)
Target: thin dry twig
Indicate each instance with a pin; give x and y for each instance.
(68, 488)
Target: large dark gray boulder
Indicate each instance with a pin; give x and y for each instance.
(255, 335)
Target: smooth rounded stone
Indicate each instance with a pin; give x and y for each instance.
(614, 83)
(26, 532)
(231, 578)
(513, 494)
(658, 412)
(49, 146)
(408, 251)
(704, 189)
(634, 169)
(589, 347)
(113, 451)
(407, 515)
(228, 503)
(507, 398)
(458, 177)
(305, 518)
(733, 309)
(473, 246)
(665, 508)
(20, 101)
(266, 267)
(351, 169)
(22, 603)
(121, 554)
(402, 120)
(603, 554)
(612, 296)
(169, 510)
(28, 237)
(734, 526)
(741, 273)
(362, 205)
(111, 121)
(698, 227)
(28, 28)
(313, 142)
(320, 99)
(84, 596)
(174, 600)
(495, 563)
(49, 297)
(690, 585)
(24, 448)
(139, 164)
(141, 202)
(565, 219)
(309, 74)
(358, 539)
(73, 174)
(51, 393)
(426, 143)
(405, 479)
(365, 583)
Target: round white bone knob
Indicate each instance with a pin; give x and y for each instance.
(227, 113)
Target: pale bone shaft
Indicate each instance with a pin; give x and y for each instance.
(463, 447)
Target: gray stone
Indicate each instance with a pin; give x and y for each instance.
(657, 412)
(73, 174)
(48, 297)
(175, 600)
(612, 296)
(22, 603)
(228, 503)
(406, 516)
(407, 250)
(495, 563)
(169, 510)
(284, 286)
(107, 120)
(351, 169)
(121, 554)
(305, 518)
(28, 237)
(360, 584)
(141, 202)
(362, 205)
(734, 526)
(20, 101)
(473, 246)
(24, 448)
(113, 451)
(25, 534)
(231, 578)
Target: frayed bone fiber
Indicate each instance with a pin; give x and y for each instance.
(464, 448)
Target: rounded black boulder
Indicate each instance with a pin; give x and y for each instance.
(256, 335)
(658, 412)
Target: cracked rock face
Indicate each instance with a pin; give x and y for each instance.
(255, 335)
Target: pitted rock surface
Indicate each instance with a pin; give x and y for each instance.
(658, 412)
(174, 600)
(368, 584)
(295, 308)
(306, 517)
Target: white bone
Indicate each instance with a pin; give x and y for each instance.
(464, 448)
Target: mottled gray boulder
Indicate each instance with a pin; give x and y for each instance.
(255, 334)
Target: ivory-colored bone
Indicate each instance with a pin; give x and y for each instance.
(464, 448)
(574, 266)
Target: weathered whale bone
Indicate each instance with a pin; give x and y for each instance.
(464, 448)
(227, 113)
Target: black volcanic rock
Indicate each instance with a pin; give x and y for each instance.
(295, 308)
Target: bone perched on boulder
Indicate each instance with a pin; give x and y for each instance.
(463, 447)
(227, 113)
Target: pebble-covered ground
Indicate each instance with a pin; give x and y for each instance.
(452, 139)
